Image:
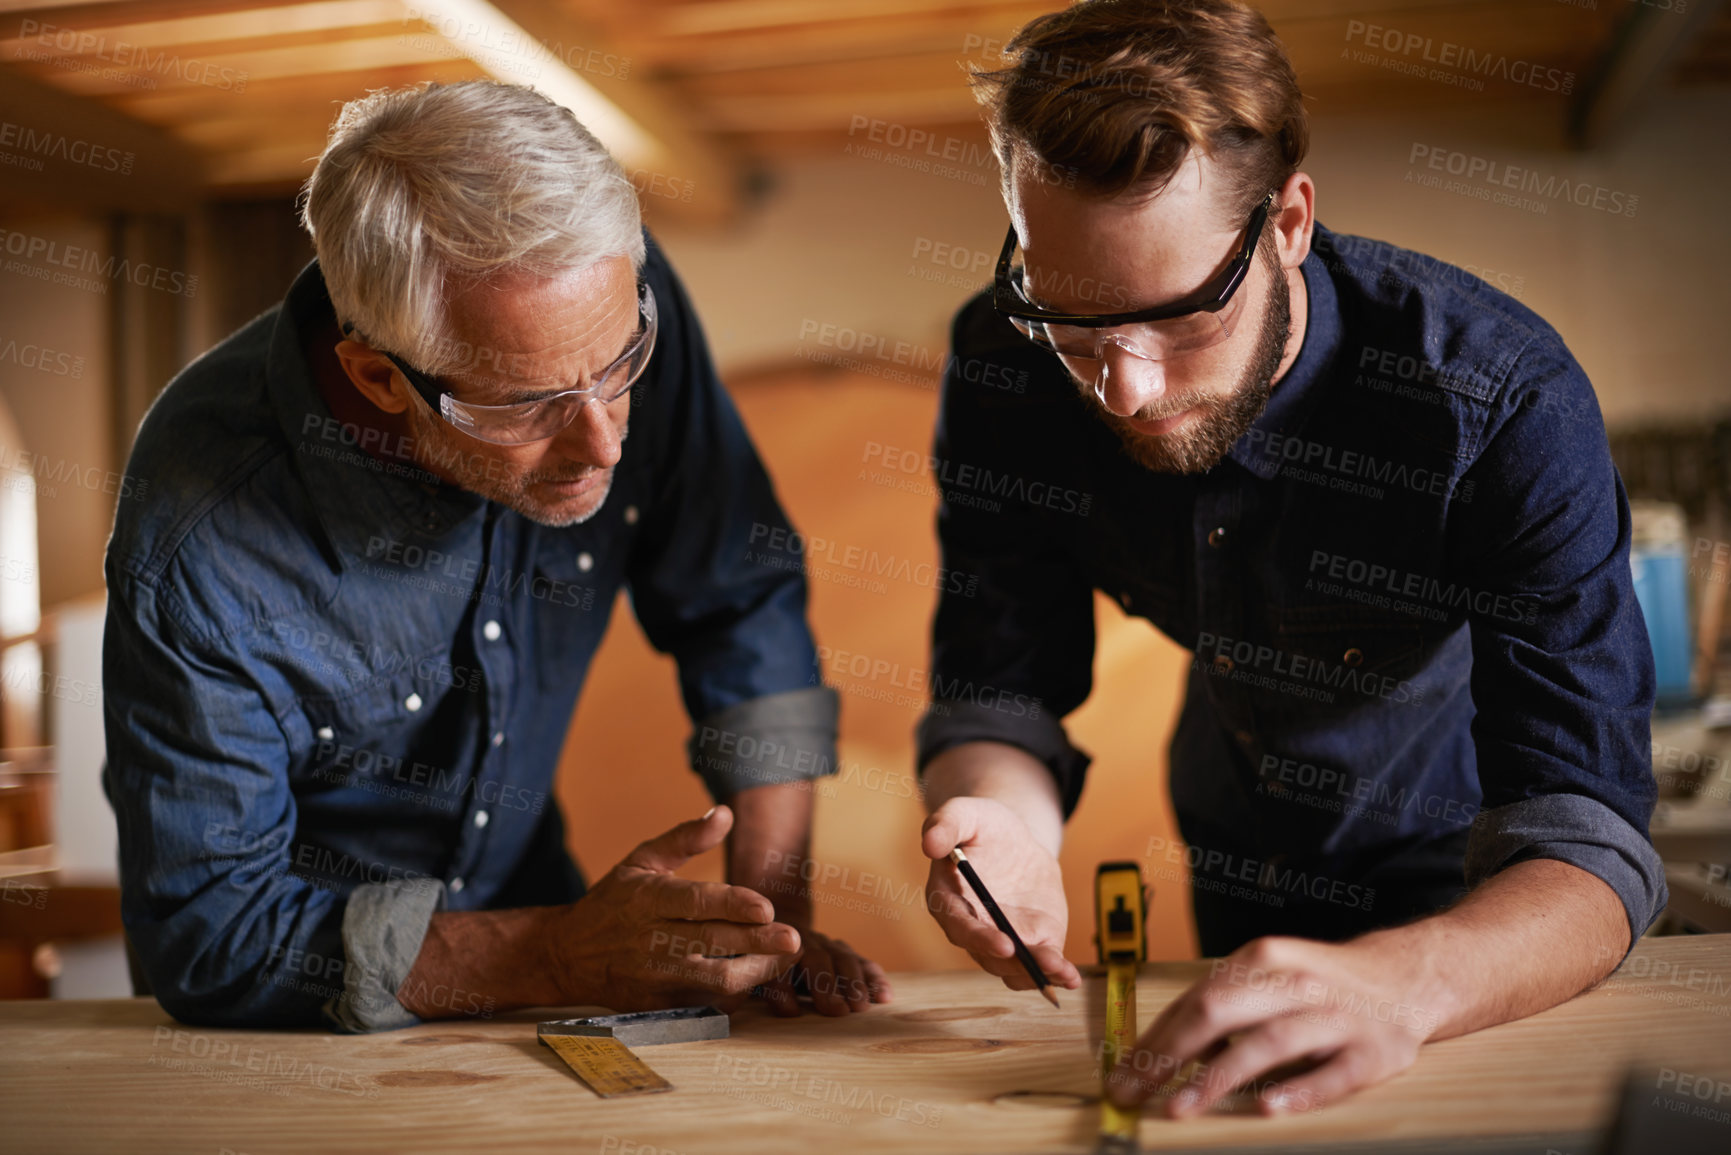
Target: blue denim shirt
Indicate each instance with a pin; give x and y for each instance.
(1418, 657)
(336, 687)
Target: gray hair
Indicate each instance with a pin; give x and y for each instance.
(423, 190)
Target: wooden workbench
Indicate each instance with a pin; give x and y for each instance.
(946, 1067)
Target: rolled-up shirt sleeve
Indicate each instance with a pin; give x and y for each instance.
(1013, 636)
(384, 925)
(197, 773)
(1564, 690)
(717, 574)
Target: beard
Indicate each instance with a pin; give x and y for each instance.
(436, 450)
(1218, 421)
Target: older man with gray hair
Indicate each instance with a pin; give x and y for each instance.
(391, 517)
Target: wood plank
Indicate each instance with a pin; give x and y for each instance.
(185, 31)
(946, 1067)
(233, 73)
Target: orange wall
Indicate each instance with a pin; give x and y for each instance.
(623, 775)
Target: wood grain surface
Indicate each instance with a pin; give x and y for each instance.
(957, 1063)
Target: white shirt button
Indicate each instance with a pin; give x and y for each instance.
(413, 701)
(631, 515)
(480, 818)
(455, 886)
(498, 737)
(585, 562)
(326, 733)
(491, 631)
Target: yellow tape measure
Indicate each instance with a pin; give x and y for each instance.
(607, 1065)
(1120, 913)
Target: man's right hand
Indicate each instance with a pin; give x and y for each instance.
(644, 939)
(1024, 880)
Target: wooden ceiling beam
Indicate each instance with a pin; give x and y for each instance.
(680, 154)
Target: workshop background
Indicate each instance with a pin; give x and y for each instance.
(817, 172)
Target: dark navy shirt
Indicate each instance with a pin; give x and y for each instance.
(325, 669)
(1418, 657)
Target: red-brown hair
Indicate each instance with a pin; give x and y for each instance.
(1114, 94)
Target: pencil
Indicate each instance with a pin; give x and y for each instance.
(1022, 953)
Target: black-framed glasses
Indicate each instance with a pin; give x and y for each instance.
(1203, 318)
(523, 422)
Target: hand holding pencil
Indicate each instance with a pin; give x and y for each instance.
(1018, 874)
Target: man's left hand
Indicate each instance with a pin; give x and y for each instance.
(1298, 1022)
(840, 979)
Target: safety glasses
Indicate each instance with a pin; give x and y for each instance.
(1203, 318)
(526, 421)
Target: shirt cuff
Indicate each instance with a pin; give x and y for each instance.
(950, 722)
(766, 741)
(1582, 832)
(383, 928)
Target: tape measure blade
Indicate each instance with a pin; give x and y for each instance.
(606, 1065)
(1119, 1039)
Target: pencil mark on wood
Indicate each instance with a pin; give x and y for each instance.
(944, 1045)
(433, 1078)
(1043, 1100)
(951, 1014)
(442, 1040)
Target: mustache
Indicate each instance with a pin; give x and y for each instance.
(581, 475)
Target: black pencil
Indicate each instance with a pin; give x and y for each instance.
(1022, 952)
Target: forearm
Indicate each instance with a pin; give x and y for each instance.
(496, 960)
(1530, 937)
(1007, 774)
(769, 844)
